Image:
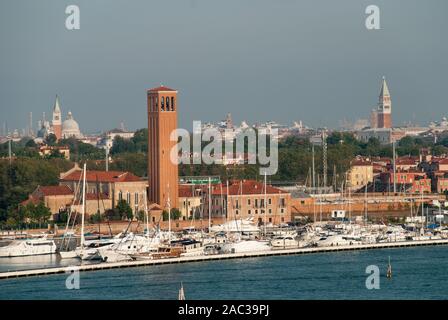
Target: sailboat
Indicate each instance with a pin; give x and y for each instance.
(181, 295)
(389, 270)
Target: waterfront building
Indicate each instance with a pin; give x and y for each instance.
(116, 185)
(246, 199)
(60, 198)
(190, 201)
(360, 173)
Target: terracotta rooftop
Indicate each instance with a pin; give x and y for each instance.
(90, 197)
(55, 190)
(441, 161)
(102, 176)
(249, 187)
(161, 88)
(186, 191)
(406, 161)
(361, 163)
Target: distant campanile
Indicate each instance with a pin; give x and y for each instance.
(57, 122)
(163, 174)
(384, 107)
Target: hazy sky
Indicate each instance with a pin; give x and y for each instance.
(261, 60)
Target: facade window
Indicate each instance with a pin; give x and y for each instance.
(248, 212)
(270, 211)
(120, 196)
(236, 211)
(256, 203)
(167, 104)
(256, 211)
(282, 210)
(172, 103)
(162, 103)
(128, 198)
(282, 202)
(136, 198)
(269, 201)
(248, 202)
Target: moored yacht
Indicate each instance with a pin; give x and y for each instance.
(28, 247)
(280, 242)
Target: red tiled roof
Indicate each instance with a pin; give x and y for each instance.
(161, 88)
(249, 187)
(185, 191)
(55, 190)
(361, 163)
(90, 197)
(441, 161)
(103, 176)
(407, 161)
(32, 200)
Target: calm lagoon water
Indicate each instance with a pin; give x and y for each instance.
(419, 273)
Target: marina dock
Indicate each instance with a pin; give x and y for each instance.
(277, 252)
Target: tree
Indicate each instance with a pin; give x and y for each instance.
(31, 144)
(175, 214)
(41, 213)
(124, 209)
(51, 139)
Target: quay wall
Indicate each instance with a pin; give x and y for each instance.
(127, 264)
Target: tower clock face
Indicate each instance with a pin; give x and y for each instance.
(56, 117)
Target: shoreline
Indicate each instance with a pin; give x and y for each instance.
(275, 252)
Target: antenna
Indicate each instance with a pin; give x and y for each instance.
(30, 132)
(107, 157)
(9, 150)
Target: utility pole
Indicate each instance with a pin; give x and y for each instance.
(314, 175)
(324, 158)
(30, 132)
(107, 157)
(9, 150)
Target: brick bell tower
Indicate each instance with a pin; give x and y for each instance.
(56, 121)
(163, 174)
(384, 107)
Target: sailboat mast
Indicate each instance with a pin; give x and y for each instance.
(265, 215)
(146, 213)
(365, 198)
(227, 197)
(168, 205)
(83, 209)
(209, 204)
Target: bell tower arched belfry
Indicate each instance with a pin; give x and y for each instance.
(163, 175)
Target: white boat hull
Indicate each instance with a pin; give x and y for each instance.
(25, 248)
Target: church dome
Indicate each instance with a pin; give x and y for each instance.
(70, 127)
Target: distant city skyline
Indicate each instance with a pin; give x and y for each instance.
(259, 60)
